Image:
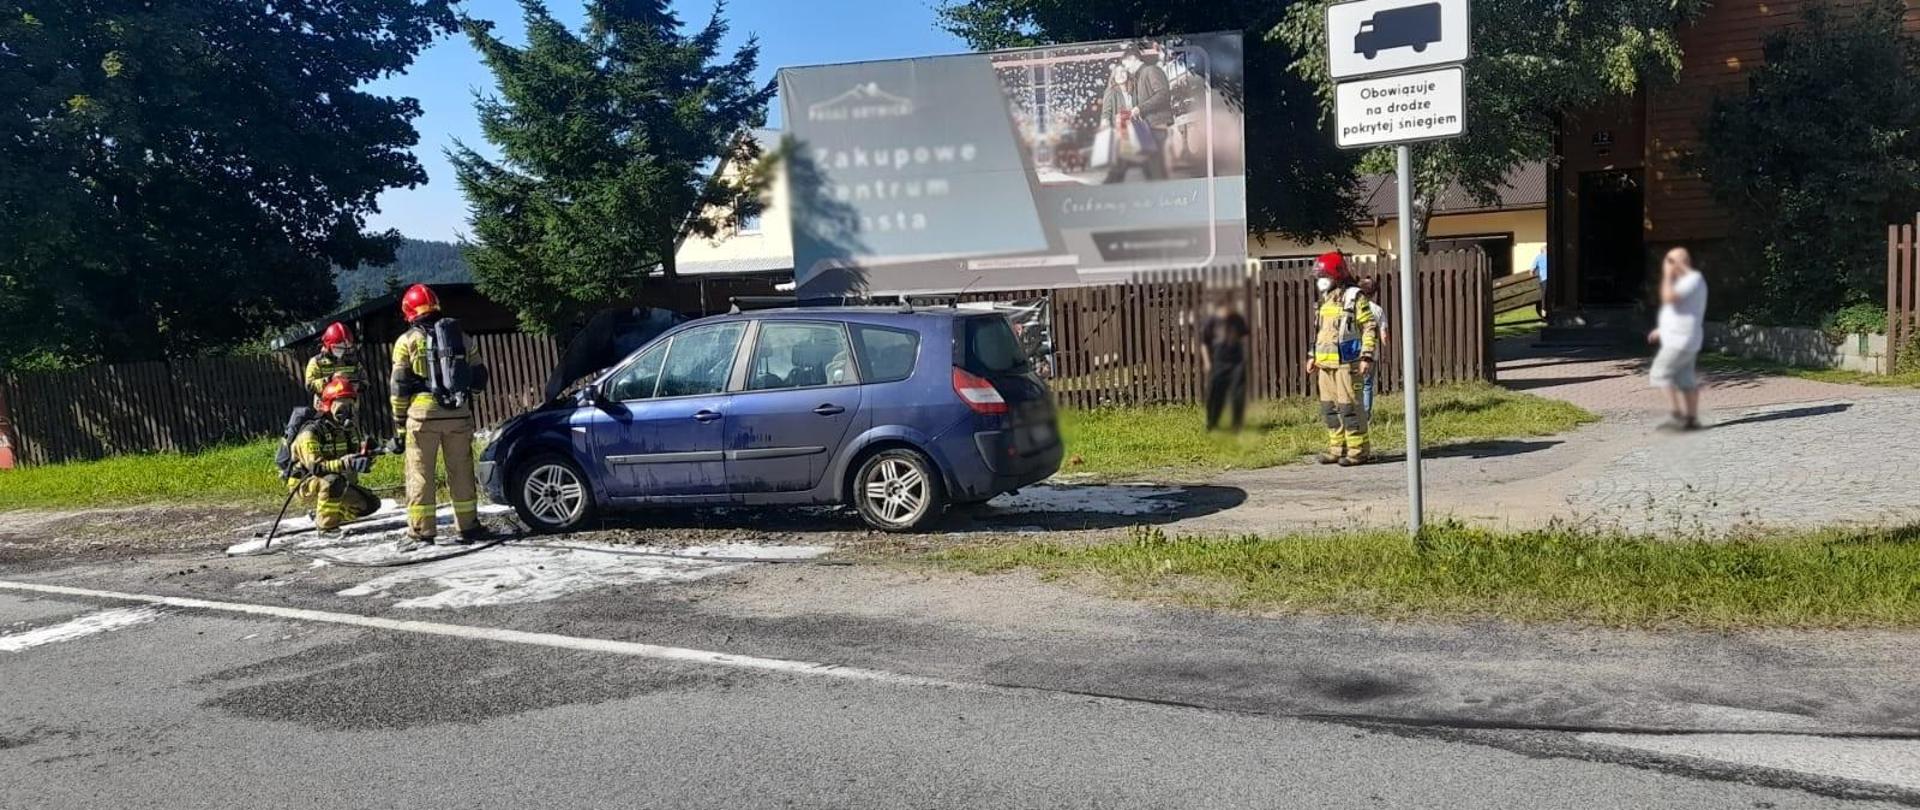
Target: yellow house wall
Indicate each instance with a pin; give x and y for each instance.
(1529, 229)
(774, 240)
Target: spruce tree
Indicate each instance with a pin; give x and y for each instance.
(608, 140)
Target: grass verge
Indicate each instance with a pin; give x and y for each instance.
(238, 475)
(1132, 442)
(1517, 323)
(1823, 580)
(1714, 361)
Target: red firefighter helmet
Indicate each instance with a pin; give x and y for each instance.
(417, 301)
(336, 336)
(1331, 265)
(335, 390)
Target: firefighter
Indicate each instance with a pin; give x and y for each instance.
(426, 428)
(1344, 340)
(335, 361)
(329, 456)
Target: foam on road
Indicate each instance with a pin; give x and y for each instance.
(104, 621)
(521, 574)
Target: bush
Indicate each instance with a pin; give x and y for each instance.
(1859, 319)
(1820, 153)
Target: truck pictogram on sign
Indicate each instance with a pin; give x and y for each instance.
(1413, 27)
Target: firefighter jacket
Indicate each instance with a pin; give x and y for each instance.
(1344, 330)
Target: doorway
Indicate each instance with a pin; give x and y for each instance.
(1612, 237)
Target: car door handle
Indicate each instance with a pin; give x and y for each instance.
(829, 409)
(705, 416)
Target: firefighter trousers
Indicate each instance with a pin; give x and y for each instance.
(1340, 406)
(431, 438)
(333, 499)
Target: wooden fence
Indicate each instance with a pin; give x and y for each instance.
(1132, 343)
(1903, 289)
(190, 404)
(1518, 291)
(1137, 343)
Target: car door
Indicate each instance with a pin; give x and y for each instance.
(661, 426)
(800, 395)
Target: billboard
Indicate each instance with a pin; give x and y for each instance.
(1042, 167)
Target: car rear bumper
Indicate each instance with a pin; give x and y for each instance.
(1013, 460)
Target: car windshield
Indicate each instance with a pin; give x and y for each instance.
(991, 347)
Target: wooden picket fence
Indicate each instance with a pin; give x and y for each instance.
(1903, 289)
(1137, 343)
(1120, 344)
(194, 403)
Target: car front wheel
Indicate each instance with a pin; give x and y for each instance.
(550, 495)
(898, 490)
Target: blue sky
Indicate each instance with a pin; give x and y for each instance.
(792, 33)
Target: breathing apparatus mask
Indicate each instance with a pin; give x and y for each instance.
(1323, 284)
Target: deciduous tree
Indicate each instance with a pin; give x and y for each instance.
(1533, 62)
(180, 175)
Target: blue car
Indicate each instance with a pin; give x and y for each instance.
(896, 412)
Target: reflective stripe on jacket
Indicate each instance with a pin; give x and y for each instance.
(1343, 315)
(323, 366)
(323, 447)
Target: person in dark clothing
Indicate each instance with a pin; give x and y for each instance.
(1150, 96)
(1223, 343)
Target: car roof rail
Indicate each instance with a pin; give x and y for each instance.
(949, 301)
(746, 303)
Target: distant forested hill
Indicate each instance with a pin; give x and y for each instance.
(417, 261)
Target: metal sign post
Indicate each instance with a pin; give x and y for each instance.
(1410, 350)
(1397, 64)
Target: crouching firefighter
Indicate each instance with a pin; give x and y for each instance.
(433, 386)
(1344, 339)
(327, 456)
(336, 361)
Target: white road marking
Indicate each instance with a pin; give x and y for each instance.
(1885, 762)
(521, 574)
(551, 640)
(105, 621)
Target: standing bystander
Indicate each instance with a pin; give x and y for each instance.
(1223, 356)
(1680, 333)
(1370, 287)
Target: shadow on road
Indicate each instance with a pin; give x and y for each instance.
(1044, 507)
(1792, 413)
(1504, 448)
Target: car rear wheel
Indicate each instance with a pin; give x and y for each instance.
(898, 490)
(551, 495)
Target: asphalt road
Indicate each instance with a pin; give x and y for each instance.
(114, 703)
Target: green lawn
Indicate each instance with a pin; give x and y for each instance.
(1516, 323)
(240, 475)
(1828, 579)
(1714, 361)
(1108, 442)
(1169, 440)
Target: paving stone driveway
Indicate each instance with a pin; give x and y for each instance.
(1778, 452)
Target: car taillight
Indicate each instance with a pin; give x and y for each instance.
(979, 394)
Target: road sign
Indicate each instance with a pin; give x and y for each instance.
(1373, 37)
(1406, 108)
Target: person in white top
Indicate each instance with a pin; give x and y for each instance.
(1370, 287)
(1681, 331)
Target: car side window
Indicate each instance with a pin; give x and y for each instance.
(700, 360)
(886, 355)
(639, 378)
(794, 354)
